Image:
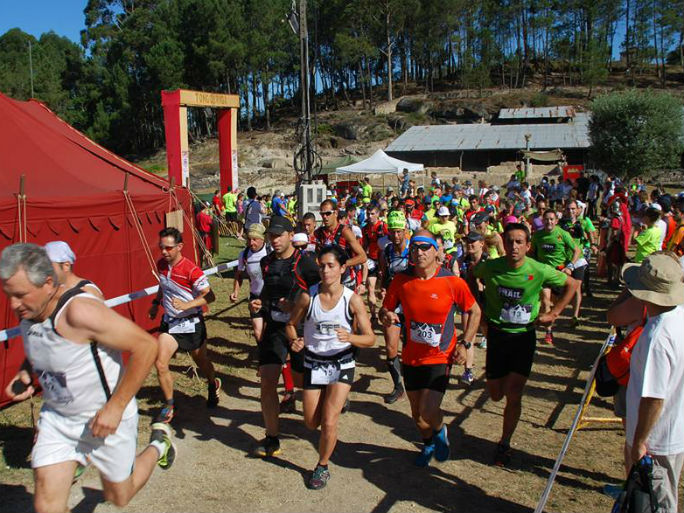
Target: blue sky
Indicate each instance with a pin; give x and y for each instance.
(65, 17)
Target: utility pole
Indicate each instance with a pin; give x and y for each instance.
(306, 88)
(31, 66)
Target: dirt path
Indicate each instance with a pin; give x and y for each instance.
(372, 466)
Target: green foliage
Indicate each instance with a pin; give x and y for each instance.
(636, 132)
(539, 100)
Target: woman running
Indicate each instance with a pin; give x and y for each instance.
(335, 324)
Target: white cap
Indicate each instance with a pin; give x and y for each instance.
(328, 193)
(443, 211)
(59, 252)
(300, 237)
(657, 206)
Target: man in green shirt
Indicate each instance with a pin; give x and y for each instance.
(230, 204)
(555, 247)
(366, 189)
(648, 237)
(512, 308)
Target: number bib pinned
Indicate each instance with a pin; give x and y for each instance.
(425, 333)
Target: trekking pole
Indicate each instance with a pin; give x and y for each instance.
(590, 380)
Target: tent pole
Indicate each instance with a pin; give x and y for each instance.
(125, 183)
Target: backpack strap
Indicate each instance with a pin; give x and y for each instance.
(100, 370)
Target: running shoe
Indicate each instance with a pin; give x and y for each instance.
(269, 446)
(78, 472)
(467, 377)
(396, 394)
(502, 458)
(483, 342)
(162, 433)
(319, 478)
(166, 414)
(612, 490)
(213, 390)
(426, 454)
(548, 338)
(289, 403)
(441, 439)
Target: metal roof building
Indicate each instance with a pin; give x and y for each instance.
(476, 146)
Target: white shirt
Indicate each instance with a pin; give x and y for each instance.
(663, 230)
(250, 262)
(657, 371)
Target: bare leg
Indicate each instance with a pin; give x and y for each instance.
(312, 402)
(258, 327)
(167, 348)
(415, 399)
(52, 485)
(121, 493)
(203, 363)
(270, 374)
(513, 389)
(335, 396)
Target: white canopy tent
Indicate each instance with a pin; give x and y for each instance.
(379, 163)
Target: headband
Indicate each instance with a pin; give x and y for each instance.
(428, 240)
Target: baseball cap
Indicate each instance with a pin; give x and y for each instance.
(299, 238)
(443, 211)
(659, 279)
(59, 252)
(473, 236)
(256, 231)
(279, 224)
(396, 220)
(479, 218)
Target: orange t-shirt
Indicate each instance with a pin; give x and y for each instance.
(429, 307)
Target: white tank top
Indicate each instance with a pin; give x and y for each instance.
(319, 325)
(250, 262)
(67, 371)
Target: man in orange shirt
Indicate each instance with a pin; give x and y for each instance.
(676, 242)
(429, 296)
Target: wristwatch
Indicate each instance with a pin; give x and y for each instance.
(465, 344)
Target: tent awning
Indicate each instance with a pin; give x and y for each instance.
(544, 156)
(379, 163)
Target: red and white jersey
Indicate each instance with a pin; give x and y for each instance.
(184, 281)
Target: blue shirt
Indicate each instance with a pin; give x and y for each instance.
(278, 207)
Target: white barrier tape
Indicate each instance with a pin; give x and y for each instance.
(126, 298)
(549, 483)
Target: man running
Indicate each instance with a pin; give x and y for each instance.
(183, 290)
(584, 234)
(429, 297)
(393, 260)
(555, 247)
(286, 271)
(336, 324)
(63, 258)
(333, 232)
(374, 230)
(73, 343)
(512, 287)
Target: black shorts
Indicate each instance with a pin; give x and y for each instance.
(260, 313)
(578, 273)
(231, 217)
(274, 347)
(373, 273)
(430, 377)
(188, 341)
(344, 361)
(509, 352)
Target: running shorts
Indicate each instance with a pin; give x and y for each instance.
(274, 348)
(578, 273)
(373, 268)
(260, 313)
(62, 439)
(431, 377)
(321, 371)
(509, 352)
(188, 341)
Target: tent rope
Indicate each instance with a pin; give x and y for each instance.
(141, 235)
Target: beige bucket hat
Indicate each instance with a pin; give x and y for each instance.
(659, 279)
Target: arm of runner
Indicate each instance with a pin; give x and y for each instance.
(625, 310)
(382, 268)
(387, 314)
(500, 245)
(92, 320)
(465, 300)
(570, 287)
(649, 412)
(359, 254)
(205, 297)
(363, 335)
(20, 388)
(299, 310)
(154, 309)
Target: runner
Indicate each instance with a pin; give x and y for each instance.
(335, 325)
(334, 232)
(553, 246)
(73, 343)
(393, 260)
(429, 297)
(63, 258)
(285, 272)
(183, 291)
(374, 230)
(512, 287)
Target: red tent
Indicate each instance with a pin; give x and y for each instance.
(73, 190)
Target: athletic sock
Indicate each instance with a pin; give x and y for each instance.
(159, 445)
(394, 370)
(169, 402)
(287, 377)
(323, 466)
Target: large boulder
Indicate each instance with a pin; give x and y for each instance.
(414, 105)
(351, 130)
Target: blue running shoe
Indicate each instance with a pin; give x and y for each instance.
(612, 490)
(441, 440)
(423, 459)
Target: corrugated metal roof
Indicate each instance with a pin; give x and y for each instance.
(537, 112)
(494, 137)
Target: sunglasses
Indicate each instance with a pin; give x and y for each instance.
(167, 248)
(421, 247)
(326, 214)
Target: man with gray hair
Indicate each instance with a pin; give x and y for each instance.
(73, 344)
(655, 403)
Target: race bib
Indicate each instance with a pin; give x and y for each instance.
(516, 314)
(425, 333)
(582, 262)
(327, 328)
(55, 387)
(325, 373)
(371, 264)
(183, 325)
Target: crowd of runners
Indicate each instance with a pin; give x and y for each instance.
(438, 270)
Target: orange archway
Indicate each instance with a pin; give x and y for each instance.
(175, 105)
